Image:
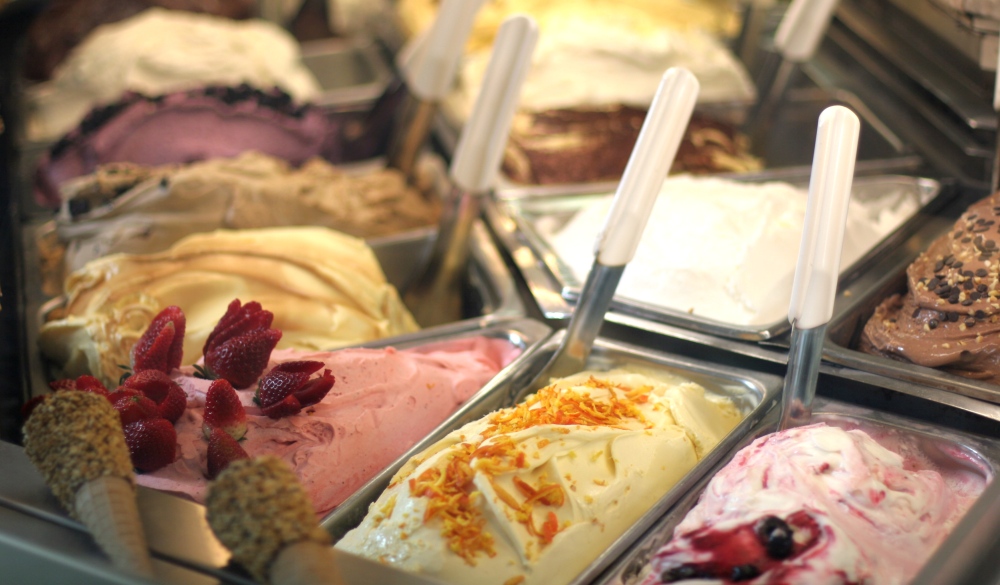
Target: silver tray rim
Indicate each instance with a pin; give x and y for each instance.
(556, 294)
(762, 388)
(984, 451)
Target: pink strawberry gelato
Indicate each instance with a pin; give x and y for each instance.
(820, 505)
(383, 402)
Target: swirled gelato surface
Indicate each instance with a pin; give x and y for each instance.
(383, 402)
(325, 288)
(817, 504)
(722, 249)
(533, 493)
(189, 126)
(159, 51)
(949, 316)
(139, 209)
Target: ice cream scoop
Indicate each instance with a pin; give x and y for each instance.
(651, 158)
(75, 439)
(258, 510)
(818, 266)
(435, 297)
(428, 66)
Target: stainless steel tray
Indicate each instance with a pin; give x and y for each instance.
(754, 394)
(884, 279)
(351, 71)
(556, 289)
(178, 528)
(489, 295)
(970, 452)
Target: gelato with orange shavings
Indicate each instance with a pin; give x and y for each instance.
(533, 493)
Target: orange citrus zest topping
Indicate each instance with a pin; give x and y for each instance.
(451, 492)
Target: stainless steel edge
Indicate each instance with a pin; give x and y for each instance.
(978, 452)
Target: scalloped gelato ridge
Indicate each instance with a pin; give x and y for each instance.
(383, 402)
(533, 493)
(817, 504)
(326, 290)
(187, 126)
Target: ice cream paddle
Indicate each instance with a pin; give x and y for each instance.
(258, 509)
(75, 439)
(428, 66)
(435, 297)
(818, 266)
(796, 40)
(618, 239)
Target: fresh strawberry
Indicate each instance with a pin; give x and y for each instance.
(28, 407)
(287, 389)
(161, 347)
(174, 404)
(240, 346)
(223, 410)
(222, 450)
(83, 383)
(161, 389)
(133, 408)
(123, 391)
(152, 443)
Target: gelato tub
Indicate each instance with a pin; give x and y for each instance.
(966, 463)
(729, 281)
(752, 395)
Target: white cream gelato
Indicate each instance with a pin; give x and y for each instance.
(159, 51)
(532, 494)
(722, 249)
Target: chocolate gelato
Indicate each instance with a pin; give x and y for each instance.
(590, 145)
(949, 317)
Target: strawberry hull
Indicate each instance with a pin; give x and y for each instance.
(383, 402)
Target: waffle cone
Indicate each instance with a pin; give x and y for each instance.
(107, 507)
(305, 563)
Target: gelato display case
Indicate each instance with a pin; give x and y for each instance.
(586, 506)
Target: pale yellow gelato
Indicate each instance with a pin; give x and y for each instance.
(326, 290)
(534, 493)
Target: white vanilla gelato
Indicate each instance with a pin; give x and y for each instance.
(159, 51)
(532, 494)
(722, 249)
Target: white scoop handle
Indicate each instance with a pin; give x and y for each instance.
(818, 266)
(651, 159)
(429, 65)
(477, 155)
(996, 86)
(802, 28)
